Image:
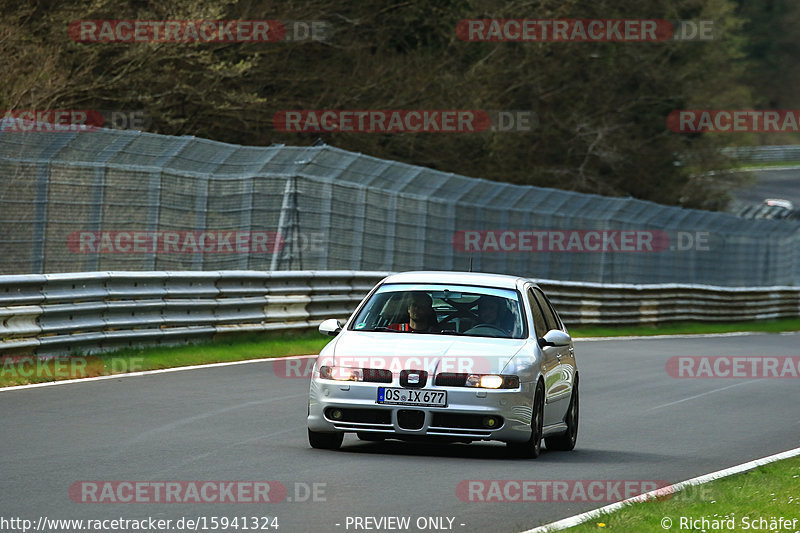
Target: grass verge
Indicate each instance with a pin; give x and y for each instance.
(26, 369)
(684, 328)
(751, 501)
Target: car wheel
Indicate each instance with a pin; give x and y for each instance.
(373, 437)
(325, 441)
(533, 446)
(566, 441)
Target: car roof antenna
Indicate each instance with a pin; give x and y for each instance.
(470, 262)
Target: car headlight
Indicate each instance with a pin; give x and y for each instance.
(341, 373)
(346, 373)
(492, 381)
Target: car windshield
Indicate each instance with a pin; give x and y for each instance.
(444, 310)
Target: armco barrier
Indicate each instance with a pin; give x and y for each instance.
(89, 312)
(781, 153)
(623, 304)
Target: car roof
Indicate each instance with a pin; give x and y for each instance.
(499, 281)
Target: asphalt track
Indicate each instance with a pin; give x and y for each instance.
(246, 423)
(772, 183)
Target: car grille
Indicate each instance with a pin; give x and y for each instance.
(451, 379)
(404, 382)
(410, 418)
(377, 375)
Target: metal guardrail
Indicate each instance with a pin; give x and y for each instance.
(789, 152)
(581, 303)
(56, 314)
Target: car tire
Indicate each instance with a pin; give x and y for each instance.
(372, 437)
(566, 441)
(533, 446)
(325, 441)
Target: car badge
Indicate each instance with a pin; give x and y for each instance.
(413, 378)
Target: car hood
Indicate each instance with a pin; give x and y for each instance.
(434, 353)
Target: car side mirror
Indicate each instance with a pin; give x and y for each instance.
(554, 337)
(330, 327)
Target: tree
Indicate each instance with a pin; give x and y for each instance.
(601, 107)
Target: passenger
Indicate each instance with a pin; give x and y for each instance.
(421, 316)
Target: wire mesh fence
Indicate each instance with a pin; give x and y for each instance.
(132, 201)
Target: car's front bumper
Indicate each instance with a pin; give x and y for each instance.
(461, 419)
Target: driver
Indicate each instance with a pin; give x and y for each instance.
(422, 317)
(492, 310)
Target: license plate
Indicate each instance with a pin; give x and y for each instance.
(427, 398)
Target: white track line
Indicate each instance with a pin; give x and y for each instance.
(664, 491)
(149, 372)
(700, 395)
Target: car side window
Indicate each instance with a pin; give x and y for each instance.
(538, 317)
(559, 322)
(547, 311)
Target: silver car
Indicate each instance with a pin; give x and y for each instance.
(454, 356)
